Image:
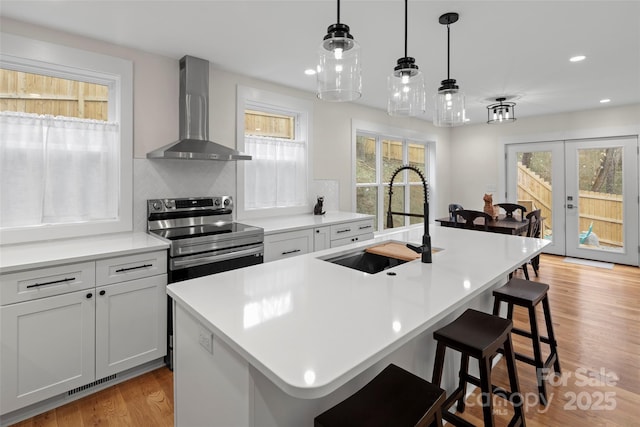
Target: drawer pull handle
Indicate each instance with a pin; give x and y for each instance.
(66, 279)
(364, 227)
(291, 252)
(120, 270)
(346, 230)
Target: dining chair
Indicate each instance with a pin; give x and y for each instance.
(452, 208)
(509, 208)
(470, 216)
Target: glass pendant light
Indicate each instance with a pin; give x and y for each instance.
(449, 101)
(339, 74)
(406, 84)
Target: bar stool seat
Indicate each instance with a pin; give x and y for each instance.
(478, 335)
(395, 397)
(528, 294)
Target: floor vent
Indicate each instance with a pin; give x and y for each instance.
(93, 384)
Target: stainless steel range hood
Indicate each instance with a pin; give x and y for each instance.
(194, 119)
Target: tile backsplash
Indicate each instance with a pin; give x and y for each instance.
(164, 178)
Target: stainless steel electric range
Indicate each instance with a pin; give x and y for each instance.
(203, 237)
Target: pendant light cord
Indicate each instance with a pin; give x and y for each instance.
(405, 26)
(338, 11)
(448, 51)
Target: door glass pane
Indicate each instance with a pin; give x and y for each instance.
(367, 202)
(600, 202)
(398, 205)
(535, 188)
(392, 159)
(365, 159)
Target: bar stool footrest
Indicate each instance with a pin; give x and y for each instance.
(456, 420)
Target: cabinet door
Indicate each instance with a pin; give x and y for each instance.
(285, 245)
(47, 348)
(321, 238)
(131, 324)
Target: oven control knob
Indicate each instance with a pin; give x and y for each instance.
(226, 202)
(217, 202)
(157, 205)
(170, 204)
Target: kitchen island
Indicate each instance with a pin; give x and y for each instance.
(277, 344)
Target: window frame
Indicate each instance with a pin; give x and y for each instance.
(407, 136)
(35, 56)
(257, 99)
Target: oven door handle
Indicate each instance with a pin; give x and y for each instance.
(179, 264)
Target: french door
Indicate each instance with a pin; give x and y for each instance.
(587, 191)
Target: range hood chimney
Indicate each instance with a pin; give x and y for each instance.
(194, 119)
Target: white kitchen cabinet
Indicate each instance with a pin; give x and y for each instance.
(129, 267)
(48, 347)
(130, 324)
(321, 238)
(351, 232)
(285, 245)
(44, 282)
(61, 332)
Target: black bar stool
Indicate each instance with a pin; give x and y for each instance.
(528, 294)
(395, 397)
(478, 335)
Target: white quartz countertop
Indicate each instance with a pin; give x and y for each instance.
(53, 252)
(310, 326)
(297, 222)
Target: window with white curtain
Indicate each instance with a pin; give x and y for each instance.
(63, 174)
(274, 130)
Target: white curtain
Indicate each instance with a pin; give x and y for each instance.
(277, 174)
(56, 170)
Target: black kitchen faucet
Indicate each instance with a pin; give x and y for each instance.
(425, 249)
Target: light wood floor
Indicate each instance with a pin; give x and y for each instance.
(596, 318)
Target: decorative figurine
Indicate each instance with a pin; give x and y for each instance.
(317, 209)
(488, 206)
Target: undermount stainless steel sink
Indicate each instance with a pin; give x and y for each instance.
(364, 261)
(372, 263)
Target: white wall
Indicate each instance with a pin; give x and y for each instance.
(477, 151)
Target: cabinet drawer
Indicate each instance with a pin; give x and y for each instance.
(285, 245)
(45, 282)
(120, 269)
(348, 240)
(350, 229)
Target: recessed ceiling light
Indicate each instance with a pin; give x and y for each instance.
(310, 72)
(577, 58)
(604, 101)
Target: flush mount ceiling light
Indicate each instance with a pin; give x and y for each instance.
(502, 112)
(339, 75)
(449, 101)
(406, 83)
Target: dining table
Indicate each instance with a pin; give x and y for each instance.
(505, 225)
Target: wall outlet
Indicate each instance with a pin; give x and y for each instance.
(205, 338)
